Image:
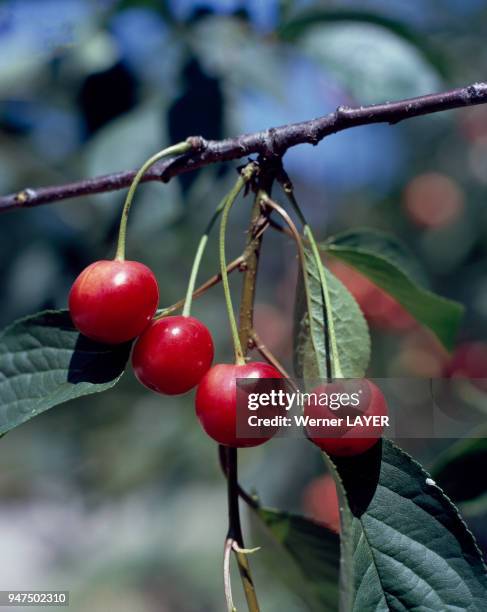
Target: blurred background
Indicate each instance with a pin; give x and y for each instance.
(118, 497)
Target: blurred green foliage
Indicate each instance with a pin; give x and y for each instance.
(118, 496)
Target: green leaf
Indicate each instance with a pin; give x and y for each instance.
(314, 555)
(457, 471)
(44, 361)
(404, 545)
(373, 58)
(351, 331)
(296, 27)
(383, 244)
(373, 255)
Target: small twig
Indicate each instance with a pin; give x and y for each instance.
(280, 228)
(238, 263)
(272, 142)
(267, 201)
(269, 356)
(246, 175)
(258, 224)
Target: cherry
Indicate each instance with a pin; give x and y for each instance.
(469, 362)
(216, 402)
(113, 301)
(433, 200)
(173, 354)
(320, 502)
(347, 440)
(422, 355)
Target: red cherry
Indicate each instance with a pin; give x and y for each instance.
(320, 502)
(216, 402)
(469, 360)
(113, 301)
(432, 200)
(173, 354)
(347, 440)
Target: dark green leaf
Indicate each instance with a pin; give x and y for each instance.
(381, 243)
(296, 27)
(458, 471)
(314, 555)
(404, 545)
(351, 331)
(372, 254)
(44, 361)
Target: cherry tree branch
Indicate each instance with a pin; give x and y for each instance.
(267, 143)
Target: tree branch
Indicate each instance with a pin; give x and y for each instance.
(268, 143)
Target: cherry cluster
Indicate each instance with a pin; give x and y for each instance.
(115, 301)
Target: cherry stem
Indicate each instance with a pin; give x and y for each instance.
(268, 201)
(227, 580)
(269, 356)
(249, 499)
(198, 257)
(194, 273)
(234, 534)
(211, 282)
(333, 366)
(244, 177)
(177, 149)
(238, 263)
(229, 456)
